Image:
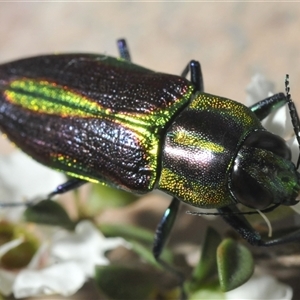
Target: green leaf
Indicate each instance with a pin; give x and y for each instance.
(119, 282)
(49, 212)
(145, 252)
(208, 292)
(128, 232)
(141, 241)
(103, 196)
(207, 266)
(235, 264)
(7, 232)
(19, 256)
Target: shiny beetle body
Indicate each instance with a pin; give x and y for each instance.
(103, 119)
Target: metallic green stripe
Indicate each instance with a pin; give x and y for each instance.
(45, 97)
(206, 102)
(52, 99)
(48, 98)
(195, 193)
(185, 138)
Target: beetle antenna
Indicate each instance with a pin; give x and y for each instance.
(254, 212)
(267, 222)
(293, 114)
(18, 204)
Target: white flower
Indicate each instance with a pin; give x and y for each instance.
(86, 246)
(22, 178)
(261, 287)
(7, 279)
(62, 265)
(64, 278)
(65, 259)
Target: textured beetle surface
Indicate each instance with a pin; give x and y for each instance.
(94, 117)
(200, 149)
(107, 120)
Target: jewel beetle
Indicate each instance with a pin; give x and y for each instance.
(104, 119)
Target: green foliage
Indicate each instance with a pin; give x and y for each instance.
(207, 266)
(49, 212)
(119, 282)
(235, 264)
(19, 256)
(223, 266)
(103, 197)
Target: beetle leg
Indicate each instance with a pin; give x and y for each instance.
(196, 74)
(161, 235)
(164, 227)
(294, 115)
(69, 185)
(123, 49)
(243, 227)
(264, 107)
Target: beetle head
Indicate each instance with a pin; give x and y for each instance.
(263, 173)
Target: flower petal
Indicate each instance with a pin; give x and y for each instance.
(64, 278)
(294, 146)
(86, 246)
(23, 178)
(7, 279)
(279, 121)
(258, 89)
(261, 287)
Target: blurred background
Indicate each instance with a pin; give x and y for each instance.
(232, 41)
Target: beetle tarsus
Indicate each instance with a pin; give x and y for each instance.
(69, 185)
(123, 49)
(196, 74)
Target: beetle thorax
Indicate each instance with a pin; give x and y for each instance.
(199, 150)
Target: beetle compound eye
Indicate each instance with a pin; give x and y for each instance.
(248, 190)
(268, 141)
(260, 178)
